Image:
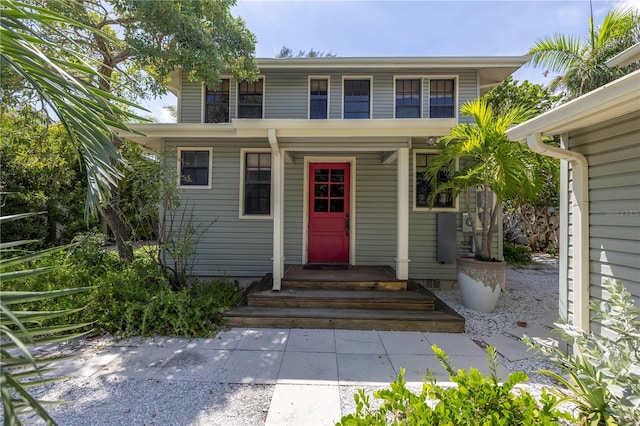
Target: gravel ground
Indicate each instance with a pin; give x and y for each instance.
(531, 296)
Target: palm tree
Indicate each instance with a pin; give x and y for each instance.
(89, 115)
(490, 163)
(582, 62)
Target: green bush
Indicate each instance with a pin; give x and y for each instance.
(476, 400)
(603, 374)
(516, 254)
(129, 299)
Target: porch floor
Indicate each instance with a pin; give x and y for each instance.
(352, 273)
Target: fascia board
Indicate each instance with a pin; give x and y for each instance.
(607, 102)
(626, 57)
(394, 62)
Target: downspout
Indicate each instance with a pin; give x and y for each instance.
(579, 208)
(278, 210)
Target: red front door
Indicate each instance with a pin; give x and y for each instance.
(329, 212)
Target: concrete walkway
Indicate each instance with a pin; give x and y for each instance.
(303, 366)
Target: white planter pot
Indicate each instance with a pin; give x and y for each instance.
(480, 283)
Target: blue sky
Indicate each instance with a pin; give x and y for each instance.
(412, 28)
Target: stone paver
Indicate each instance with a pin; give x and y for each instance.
(304, 405)
(305, 367)
(509, 347)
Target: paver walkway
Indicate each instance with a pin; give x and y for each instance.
(304, 365)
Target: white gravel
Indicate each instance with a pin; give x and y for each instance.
(531, 296)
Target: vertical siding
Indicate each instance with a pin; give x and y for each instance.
(230, 246)
(613, 152)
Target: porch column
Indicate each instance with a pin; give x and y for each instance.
(402, 258)
(278, 210)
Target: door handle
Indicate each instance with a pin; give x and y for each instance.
(346, 224)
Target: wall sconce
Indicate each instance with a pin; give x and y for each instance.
(432, 140)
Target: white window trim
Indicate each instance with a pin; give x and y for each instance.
(456, 90)
(455, 207)
(358, 77)
(409, 77)
(204, 99)
(241, 213)
(318, 77)
(264, 97)
(180, 149)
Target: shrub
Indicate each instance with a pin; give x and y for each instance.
(129, 299)
(477, 400)
(603, 374)
(516, 254)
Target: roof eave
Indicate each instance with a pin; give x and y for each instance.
(610, 101)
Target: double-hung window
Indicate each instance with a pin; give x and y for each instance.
(318, 98)
(442, 98)
(422, 189)
(250, 98)
(256, 183)
(217, 103)
(357, 98)
(194, 167)
(408, 98)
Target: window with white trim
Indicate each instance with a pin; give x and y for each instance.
(194, 167)
(422, 188)
(318, 98)
(408, 102)
(250, 98)
(216, 107)
(357, 98)
(442, 98)
(256, 183)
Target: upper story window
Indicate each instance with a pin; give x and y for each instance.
(357, 98)
(442, 98)
(256, 183)
(217, 103)
(195, 167)
(422, 189)
(250, 98)
(318, 98)
(408, 98)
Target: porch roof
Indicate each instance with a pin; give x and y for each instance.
(293, 131)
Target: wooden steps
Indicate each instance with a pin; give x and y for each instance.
(342, 299)
(356, 319)
(364, 305)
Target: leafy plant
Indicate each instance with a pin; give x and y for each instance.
(603, 373)
(476, 400)
(516, 254)
(490, 164)
(19, 368)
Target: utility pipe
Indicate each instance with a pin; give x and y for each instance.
(579, 207)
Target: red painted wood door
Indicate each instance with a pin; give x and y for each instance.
(328, 212)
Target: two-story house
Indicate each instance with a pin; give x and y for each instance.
(321, 160)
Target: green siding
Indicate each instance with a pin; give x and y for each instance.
(613, 152)
(286, 93)
(229, 245)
